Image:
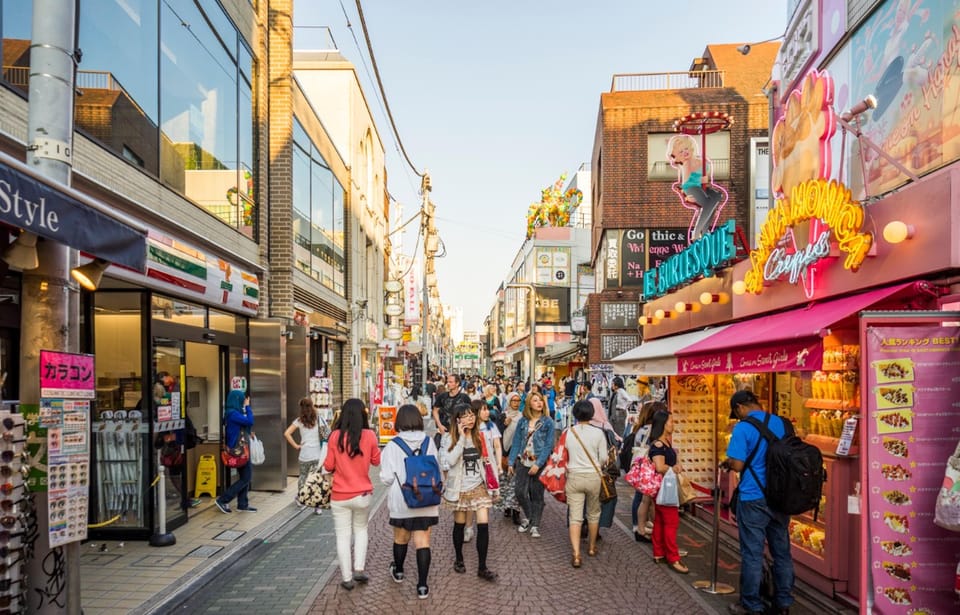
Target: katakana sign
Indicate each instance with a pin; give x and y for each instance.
(67, 375)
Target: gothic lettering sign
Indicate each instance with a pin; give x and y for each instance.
(633, 256)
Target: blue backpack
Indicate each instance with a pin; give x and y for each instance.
(423, 485)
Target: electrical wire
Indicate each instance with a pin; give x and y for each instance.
(400, 228)
(413, 258)
(383, 93)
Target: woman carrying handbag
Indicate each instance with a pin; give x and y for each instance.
(586, 445)
(237, 421)
(666, 516)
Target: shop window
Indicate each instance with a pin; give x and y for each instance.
(658, 163)
(178, 312)
(222, 321)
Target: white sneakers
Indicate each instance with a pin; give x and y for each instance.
(468, 534)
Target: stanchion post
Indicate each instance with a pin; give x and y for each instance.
(162, 538)
(711, 586)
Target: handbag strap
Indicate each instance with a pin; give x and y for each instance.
(589, 456)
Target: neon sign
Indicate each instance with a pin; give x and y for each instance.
(700, 258)
(817, 201)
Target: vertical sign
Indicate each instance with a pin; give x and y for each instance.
(912, 428)
(633, 256)
(67, 384)
(759, 186)
(612, 259)
(411, 298)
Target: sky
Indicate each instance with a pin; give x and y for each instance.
(497, 99)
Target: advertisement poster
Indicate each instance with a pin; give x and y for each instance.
(387, 423)
(912, 427)
(905, 54)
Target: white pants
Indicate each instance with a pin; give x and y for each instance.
(350, 516)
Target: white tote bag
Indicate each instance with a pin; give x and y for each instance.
(257, 455)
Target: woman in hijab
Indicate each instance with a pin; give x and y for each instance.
(600, 420)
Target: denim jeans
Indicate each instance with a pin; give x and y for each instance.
(240, 489)
(529, 493)
(756, 523)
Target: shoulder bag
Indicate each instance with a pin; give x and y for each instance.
(554, 475)
(491, 479)
(238, 456)
(608, 485)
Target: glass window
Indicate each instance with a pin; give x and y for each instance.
(658, 161)
(222, 321)
(318, 208)
(118, 79)
(177, 311)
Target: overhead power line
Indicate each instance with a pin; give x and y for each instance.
(383, 93)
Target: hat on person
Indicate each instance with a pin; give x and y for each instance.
(741, 397)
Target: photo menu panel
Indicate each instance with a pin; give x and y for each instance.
(913, 426)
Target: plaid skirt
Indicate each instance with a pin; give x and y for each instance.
(475, 499)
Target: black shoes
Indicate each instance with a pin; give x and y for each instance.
(641, 537)
(360, 577)
(487, 575)
(459, 567)
(396, 575)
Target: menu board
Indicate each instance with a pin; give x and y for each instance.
(615, 315)
(912, 426)
(615, 345)
(692, 405)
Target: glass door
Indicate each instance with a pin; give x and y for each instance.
(167, 394)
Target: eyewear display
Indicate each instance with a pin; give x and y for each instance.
(8, 488)
(6, 551)
(5, 566)
(8, 423)
(9, 455)
(6, 583)
(8, 521)
(8, 436)
(5, 537)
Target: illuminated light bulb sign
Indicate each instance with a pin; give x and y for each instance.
(700, 258)
(823, 203)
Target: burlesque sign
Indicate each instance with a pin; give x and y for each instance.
(701, 258)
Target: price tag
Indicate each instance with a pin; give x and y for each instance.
(846, 436)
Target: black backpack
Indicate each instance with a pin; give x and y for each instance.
(795, 470)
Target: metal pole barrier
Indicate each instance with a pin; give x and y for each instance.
(711, 586)
(162, 538)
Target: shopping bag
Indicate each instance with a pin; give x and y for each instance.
(554, 474)
(947, 508)
(686, 493)
(257, 456)
(316, 489)
(643, 476)
(669, 494)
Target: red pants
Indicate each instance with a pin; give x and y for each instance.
(666, 521)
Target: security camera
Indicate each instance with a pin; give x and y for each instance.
(362, 304)
(744, 49)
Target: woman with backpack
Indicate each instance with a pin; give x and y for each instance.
(352, 450)
(463, 454)
(313, 439)
(666, 518)
(635, 445)
(532, 445)
(408, 522)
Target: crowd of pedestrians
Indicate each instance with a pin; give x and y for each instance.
(493, 441)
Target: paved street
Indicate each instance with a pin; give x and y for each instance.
(295, 571)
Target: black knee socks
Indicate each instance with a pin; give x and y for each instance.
(423, 566)
(483, 541)
(458, 529)
(399, 554)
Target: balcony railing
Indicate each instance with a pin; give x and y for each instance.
(687, 80)
(663, 171)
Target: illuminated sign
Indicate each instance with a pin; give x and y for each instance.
(821, 202)
(701, 258)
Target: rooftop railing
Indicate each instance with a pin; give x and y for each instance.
(687, 80)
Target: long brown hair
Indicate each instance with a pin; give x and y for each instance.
(308, 414)
(646, 414)
(527, 405)
(458, 412)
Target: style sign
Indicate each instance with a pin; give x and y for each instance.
(67, 375)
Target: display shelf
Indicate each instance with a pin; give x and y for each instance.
(828, 445)
(839, 367)
(805, 556)
(831, 404)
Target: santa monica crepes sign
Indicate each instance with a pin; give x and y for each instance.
(822, 203)
(700, 258)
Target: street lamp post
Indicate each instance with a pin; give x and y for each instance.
(532, 319)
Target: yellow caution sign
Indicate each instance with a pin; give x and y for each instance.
(206, 476)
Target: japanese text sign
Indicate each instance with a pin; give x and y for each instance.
(67, 375)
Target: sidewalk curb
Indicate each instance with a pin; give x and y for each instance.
(178, 592)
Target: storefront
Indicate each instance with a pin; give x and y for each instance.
(169, 345)
(846, 326)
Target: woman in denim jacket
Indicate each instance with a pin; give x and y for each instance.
(532, 444)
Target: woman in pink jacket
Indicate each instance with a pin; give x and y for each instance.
(352, 449)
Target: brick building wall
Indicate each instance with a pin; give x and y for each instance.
(624, 196)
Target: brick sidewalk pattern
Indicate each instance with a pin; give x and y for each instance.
(535, 575)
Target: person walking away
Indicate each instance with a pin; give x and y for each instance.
(619, 404)
(532, 445)
(408, 523)
(462, 456)
(586, 447)
(238, 421)
(636, 443)
(609, 508)
(755, 520)
(451, 397)
(313, 432)
(508, 495)
(666, 518)
(350, 453)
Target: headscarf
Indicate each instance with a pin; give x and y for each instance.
(234, 401)
(600, 418)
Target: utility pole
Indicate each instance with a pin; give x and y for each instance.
(427, 224)
(50, 301)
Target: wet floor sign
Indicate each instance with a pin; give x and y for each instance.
(206, 476)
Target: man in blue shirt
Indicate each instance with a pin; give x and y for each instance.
(755, 521)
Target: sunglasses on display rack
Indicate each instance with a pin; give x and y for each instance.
(8, 488)
(7, 599)
(6, 471)
(6, 537)
(5, 566)
(11, 438)
(9, 521)
(8, 423)
(9, 455)
(6, 551)
(6, 583)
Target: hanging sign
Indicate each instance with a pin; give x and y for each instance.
(701, 258)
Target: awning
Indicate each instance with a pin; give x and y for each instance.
(559, 352)
(791, 340)
(659, 357)
(43, 206)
